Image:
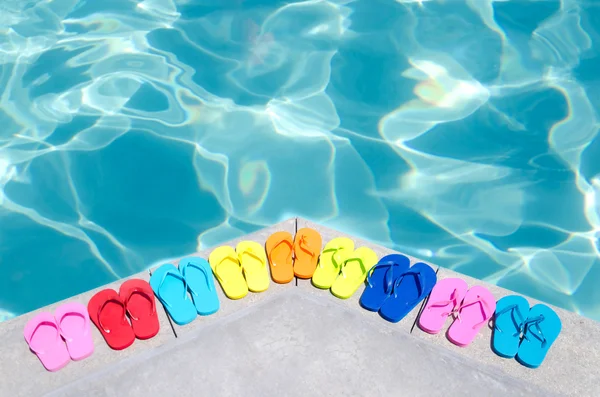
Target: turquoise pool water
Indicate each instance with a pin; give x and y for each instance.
(461, 132)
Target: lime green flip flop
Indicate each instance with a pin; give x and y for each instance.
(353, 272)
(333, 256)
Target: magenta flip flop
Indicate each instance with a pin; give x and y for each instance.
(42, 334)
(74, 324)
(444, 299)
(477, 307)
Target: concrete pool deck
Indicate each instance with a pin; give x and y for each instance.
(297, 340)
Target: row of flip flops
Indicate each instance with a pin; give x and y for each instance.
(239, 270)
(393, 288)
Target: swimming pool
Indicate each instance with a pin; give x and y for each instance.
(464, 133)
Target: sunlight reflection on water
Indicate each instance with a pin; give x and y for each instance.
(137, 131)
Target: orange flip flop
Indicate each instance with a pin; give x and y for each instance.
(307, 247)
(279, 247)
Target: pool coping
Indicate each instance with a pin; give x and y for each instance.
(577, 343)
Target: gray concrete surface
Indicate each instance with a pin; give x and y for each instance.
(295, 339)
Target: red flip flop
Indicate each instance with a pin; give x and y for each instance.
(107, 312)
(138, 297)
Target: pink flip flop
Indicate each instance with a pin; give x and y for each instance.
(43, 337)
(477, 307)
(445, 297)
(74, 324)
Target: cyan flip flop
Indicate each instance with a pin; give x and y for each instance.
(198, 274)
(171, 289)
(381, 279)
(540, 330)
(410, 288)
(509, 319)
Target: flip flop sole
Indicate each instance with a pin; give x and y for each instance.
(375, 292)
(445, 295)
(306, 239)
(140, 302)
(408, 294)
(120, 335)
(280, 248)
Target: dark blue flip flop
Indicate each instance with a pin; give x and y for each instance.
(410, 288)
(380, 280)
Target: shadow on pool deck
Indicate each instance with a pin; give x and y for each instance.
(296, 340)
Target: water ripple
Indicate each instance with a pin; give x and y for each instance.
(138, 131)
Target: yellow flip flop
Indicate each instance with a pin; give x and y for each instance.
(333, 256)
(353, 272)
(228, 270)
(253, 259)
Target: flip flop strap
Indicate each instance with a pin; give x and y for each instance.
(178, 276)
(419, 283)
(204, 272)
(103, 305)
(388, 286)
(277, 245)
(538, 334)
(453, 300)
(45, 322)
(334, 251)
(483, 305)
(514, 311)
(250, 252)
(86, 322)
(304, 246)
(355, 259)
(228, 257)
(145, 295)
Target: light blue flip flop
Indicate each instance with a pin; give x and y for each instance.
(199, 277)
(170, 288)
(540, 330)
(509, 319)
